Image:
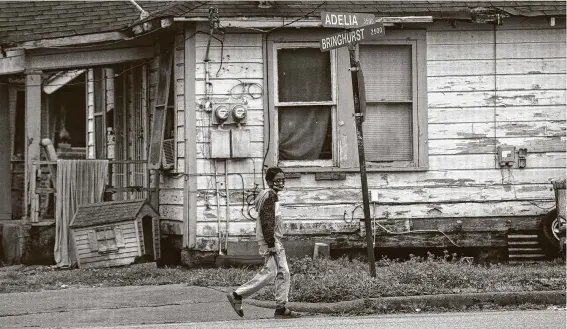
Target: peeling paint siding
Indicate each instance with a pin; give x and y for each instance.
(503, 129)
(242, 59)
(478, 99)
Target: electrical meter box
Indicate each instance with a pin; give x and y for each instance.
(506, 156)
(240, 143)
(220, 144)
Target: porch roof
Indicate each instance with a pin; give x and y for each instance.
(35, 20)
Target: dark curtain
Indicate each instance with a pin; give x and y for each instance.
(304, 75)
(302, 131)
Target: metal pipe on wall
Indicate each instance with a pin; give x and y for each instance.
(218, 207)
(227, 204)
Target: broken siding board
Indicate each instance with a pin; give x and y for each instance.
(531, 113)
(488, 161)
(460, 83)
(531, 82)
(532, 97)
(503, 129)
(488, 145)
(500, 98)
(531, 66)
(506, 82)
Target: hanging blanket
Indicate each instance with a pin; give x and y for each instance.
(78, 182)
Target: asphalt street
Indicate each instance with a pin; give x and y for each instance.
(548, 319)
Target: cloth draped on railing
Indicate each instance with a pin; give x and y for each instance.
(78, 182)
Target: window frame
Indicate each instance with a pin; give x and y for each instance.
(414, 102)
(345, 156)
(276, 46)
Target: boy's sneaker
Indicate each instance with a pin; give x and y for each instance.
(236, 303)
(286, 313)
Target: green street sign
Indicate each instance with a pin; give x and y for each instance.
(346, 20)
(352, 37)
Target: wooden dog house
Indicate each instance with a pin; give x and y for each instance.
(115, 233)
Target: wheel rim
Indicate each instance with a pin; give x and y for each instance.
(555, 225)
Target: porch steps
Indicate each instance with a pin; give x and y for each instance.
(524, 247)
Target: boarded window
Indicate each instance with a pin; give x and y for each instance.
(108, 238)
(388, 126)
(305, 103)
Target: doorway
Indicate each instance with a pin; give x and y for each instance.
(147, 229)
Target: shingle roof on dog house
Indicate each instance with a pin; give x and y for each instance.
(115, 233)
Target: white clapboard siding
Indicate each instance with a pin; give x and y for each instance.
(480, 95)
(91, 258)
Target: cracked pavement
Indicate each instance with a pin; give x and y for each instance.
(119, 306)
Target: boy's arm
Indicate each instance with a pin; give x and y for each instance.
(268, 219)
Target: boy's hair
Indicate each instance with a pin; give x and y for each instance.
(271, 173)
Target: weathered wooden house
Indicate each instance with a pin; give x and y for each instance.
(115, 233)
(464, 128)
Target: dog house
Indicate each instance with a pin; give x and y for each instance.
(115, 233)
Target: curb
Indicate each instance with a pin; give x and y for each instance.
(556, 297)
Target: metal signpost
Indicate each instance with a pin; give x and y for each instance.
(362, 27)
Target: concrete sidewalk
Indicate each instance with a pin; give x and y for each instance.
(119, 306)
(178, 303)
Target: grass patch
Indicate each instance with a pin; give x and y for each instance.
(319, 280)
(339, 280)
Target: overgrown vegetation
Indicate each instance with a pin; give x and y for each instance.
(319, 280)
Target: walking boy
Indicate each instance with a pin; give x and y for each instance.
(268, 234)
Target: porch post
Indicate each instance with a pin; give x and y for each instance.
(33, 137)
(5, 164)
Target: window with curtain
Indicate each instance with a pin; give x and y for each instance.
(311, 126)
(304, 104)
(388, 128)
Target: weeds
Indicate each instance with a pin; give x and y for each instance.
(318, 280)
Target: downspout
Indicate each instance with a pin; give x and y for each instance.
(227, 204)
(218, 208)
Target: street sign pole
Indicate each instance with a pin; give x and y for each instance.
(362, 27)
(358, 117)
